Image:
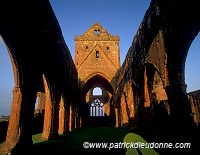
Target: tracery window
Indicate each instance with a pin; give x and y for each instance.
(97, 108)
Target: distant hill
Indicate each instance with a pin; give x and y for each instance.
(4, 118)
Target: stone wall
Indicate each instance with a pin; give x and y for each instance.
(194, 98)
(96, 52)
(97, 60)
(154, 65)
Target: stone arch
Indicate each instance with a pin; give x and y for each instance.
(137, 104)
(156, 105)
(14, 62)
(127, 104)
(100, 80)
(193, 95)
(32, 55)
(19, 108)
(61, 111)
(107, 91)
(177, 46)
(193, 58)
(153, 83)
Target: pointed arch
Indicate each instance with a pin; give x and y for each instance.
(97, 80)
(14, 62)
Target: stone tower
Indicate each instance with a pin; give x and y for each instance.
(96, 51)
(97, 60)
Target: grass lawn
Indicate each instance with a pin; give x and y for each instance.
(72, 143)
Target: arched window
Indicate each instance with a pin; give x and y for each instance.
(97, 91)
(97, 108)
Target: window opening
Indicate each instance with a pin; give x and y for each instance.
(97, 108)
(97, 54)
(108, 49)
(97, 91)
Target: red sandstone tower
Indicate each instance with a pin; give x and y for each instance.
(97, 60)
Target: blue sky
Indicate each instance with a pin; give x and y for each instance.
(121, 17)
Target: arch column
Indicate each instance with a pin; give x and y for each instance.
(61, 117)
(146, 89)
(64, 117)
(51, 118)
(117, 118)
(125, 117)
(19, 133)
(180, 108)
(72, 117)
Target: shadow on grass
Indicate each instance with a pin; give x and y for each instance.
(73, 142)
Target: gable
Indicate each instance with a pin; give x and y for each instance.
(102, 64)
(96, 32)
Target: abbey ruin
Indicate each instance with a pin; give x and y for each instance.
(147, 92)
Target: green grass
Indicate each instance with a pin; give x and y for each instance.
(72, 143)
(3, 119)
(37, 138)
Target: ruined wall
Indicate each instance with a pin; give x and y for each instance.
(29, 68)
(97, 60)
(146, 48)
(154, 65)
(194, 98)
